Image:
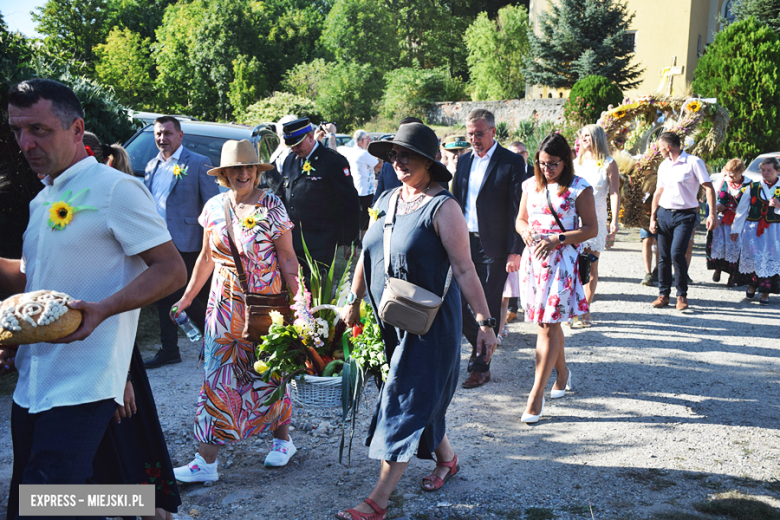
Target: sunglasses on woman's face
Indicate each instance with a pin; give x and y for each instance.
(400, 158)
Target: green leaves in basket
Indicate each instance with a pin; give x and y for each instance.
(353, 379)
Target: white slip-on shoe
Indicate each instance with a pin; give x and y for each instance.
(557, 394)
(197, 471)
(280, 454)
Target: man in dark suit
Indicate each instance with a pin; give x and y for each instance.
(488, 186)
(180, 187)
(317, 190)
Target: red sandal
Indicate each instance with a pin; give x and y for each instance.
(438, 483)
(378, 514)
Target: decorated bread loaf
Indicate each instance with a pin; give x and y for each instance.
(40, 316)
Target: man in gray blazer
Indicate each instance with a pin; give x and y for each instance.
(180, 187)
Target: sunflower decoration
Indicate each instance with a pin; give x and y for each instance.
(620, 114)
(599, 163)
(178, 171)
(693, 105)
(249, 222)
(777, 193)
(374, 214)
(61, 212)
(307, 167)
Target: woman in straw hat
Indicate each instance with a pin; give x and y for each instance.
(429, 237)
(260, 227)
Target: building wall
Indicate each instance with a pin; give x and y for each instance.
(664, 28)
(510, 111)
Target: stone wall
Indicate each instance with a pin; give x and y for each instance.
(512, 111)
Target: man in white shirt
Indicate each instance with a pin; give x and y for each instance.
(487, 184)
(113, 259)
(674, 214)
(364, 168)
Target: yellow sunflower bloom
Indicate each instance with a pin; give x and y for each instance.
(249, 222)
(61, 213)
(307, 167)
(694, 106)
(620, 114)
(777, 192)
(599, 164)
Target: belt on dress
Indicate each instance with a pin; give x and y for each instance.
(686, 211)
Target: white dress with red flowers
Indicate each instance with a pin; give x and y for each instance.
(550, 289)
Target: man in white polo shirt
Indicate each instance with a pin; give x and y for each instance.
(113, 259)
(674, 214)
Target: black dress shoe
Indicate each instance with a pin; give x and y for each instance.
(163, 357)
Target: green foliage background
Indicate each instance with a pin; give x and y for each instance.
(581, 38)
(741, 68)
(588, 98)
(410, 91)
(496, 51)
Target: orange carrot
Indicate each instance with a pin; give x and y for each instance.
(319, 364)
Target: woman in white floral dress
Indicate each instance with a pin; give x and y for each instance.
(550, 288)
(596, 166)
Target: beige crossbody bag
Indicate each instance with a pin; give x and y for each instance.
(405, 305)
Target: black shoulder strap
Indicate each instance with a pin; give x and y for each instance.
(555, 215)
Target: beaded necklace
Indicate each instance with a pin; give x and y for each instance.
(406, 207)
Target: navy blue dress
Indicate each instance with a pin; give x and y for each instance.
(409, 418)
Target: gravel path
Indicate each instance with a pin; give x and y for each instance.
(668, 410)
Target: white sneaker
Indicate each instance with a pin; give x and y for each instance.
(280, 454)
(197, 471)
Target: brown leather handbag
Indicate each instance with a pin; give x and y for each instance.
(257, 307)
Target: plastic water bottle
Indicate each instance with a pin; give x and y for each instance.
(187, 326)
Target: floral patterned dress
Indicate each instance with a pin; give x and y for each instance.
(550, 289)
(230, 405)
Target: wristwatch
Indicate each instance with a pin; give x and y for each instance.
(561, 238)
(490, 322)
(351, 298)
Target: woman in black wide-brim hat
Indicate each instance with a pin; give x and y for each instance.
(429, 236)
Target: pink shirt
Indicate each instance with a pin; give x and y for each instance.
(680, 180)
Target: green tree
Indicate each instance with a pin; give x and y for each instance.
(559, 56)
(363, 31)
(73, 27)
(304, 79)
(410, 91)
(431, 33)
(278, 105)
(123, 63)
(766, 12)
(588, 98)
(496, 51)
(347, 94)
(198, 41)
(140, 16)
(247, 83)
(741, 68)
